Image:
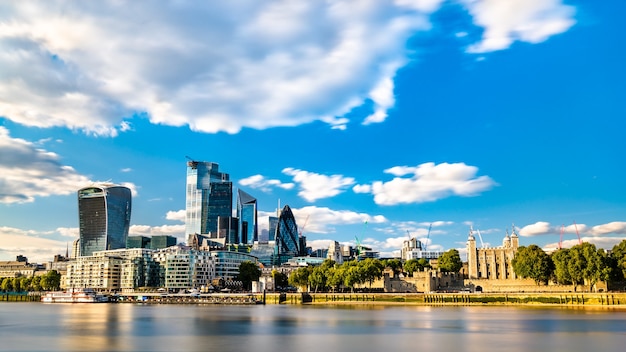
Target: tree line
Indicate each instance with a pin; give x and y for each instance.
(330, 276)
(578, 265)
(50, 281)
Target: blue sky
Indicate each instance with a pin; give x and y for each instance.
(371, 119)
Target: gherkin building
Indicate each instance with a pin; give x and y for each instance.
(287, 235)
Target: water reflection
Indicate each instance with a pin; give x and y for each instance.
(128, 327)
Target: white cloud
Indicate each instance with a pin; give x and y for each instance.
(322, 219)
(212, 66)
(27, 172)
(261, 183)
(544, 228)
(606, 243)
(314, 186)
(362, 189)
(126, 169)
(429, 182)
(538, 228)
(14, 242)
(178, 215)
(530, 21)
(615, 227)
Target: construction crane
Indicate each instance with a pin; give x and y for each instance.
(427, 236)
(577, 234)
(563, 231)
(482, 244)
(191, 163)
(303, 226)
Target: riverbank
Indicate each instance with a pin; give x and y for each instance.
(564, 299)
(609, 299)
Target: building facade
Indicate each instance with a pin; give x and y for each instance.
(104, 217)
(208, 196)
(247, 215)
(492, 262)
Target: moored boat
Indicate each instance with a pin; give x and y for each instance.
(74, 296)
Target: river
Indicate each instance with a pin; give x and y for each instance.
(136, 327)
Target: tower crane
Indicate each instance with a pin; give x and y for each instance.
(304, 225)
(428, 236)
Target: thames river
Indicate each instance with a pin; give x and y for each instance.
(134, 327)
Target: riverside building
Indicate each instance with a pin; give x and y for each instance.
(174, 268)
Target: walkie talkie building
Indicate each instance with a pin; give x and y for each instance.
(104, 217)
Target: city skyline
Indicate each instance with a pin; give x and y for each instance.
(373, 121)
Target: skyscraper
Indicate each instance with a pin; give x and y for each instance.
(209, 196)
(247, 215)
(287, 234)
(104, 217)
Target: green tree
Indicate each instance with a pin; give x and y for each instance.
(353, 276)
(588, 264)
(532, 262)
(560, 259)
(618, 256)
(36, 283)
(299, 278)
(336, 277)
(248, 272)
(393, 264)
(317, 278)
(414, 265)
(53, 280)
(450, 261)
(371, 269)
(17, 284)
(280, 279)
(7, 284)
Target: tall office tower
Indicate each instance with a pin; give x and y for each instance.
(273, 223)
(104, 217)
(227, 228)
(209, 196)
(247, 214)
(287, 234)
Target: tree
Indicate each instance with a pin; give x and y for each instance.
(588, 264)
(393, 264)
(7, 284)
(248, 272)
(53, 280)
(414, 265)
(371, 270)
(336, 277)
(317, 278)
(618, 256)
(560, 259)
(36, 283)
(299, 278)
(280, 279)
(450, 261)
(532, 262)
(353, 276)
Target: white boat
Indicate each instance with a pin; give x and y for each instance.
(74, 296)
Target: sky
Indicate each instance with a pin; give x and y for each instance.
(373, 120)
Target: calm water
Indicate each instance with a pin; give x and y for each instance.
(127, 327)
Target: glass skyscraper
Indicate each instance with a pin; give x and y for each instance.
(287, 234)
(209, 196)
(247, 215)
(104, 217)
